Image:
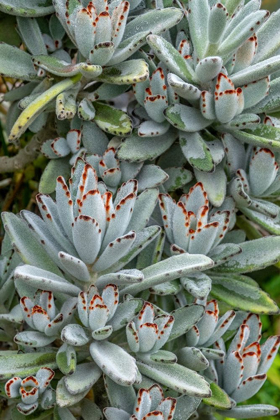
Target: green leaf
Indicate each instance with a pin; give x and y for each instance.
(66, 359)
(186, 118)
(219, 398)
(255, 255)
(31, 35)
(26, 243)
(138, 149)
(31, 112)
(54, 168)
(262, 136)
(84, 377)
(16, 63)
(155, 21)
(171, 57)
(198, 19)
(252, 411)
(196, 151)
(169, 269)
(90, 410)
(44, 280)
(268, 37)
(132, 71)
(163, 356)
(24, 364)
(114, 361)
(177, 377)
(256, 72)
(241, 293)
(178, 177)
(185, 318)
(61, 68)
(125, 313)
(143, 239)
(8, 33)
(64, 398)
(31, 8)
(268, 223)
(215, 184)
(112, 120)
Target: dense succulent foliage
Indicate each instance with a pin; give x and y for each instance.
(161, 127)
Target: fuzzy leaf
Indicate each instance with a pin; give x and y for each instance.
(192, 358)
(120, 278)
(44, 280)
(31, 35)
(66, 359)
(74, 335)
(196, 151)
(33, 339)
(240, 294)
(143, 239)
(83, 378)
(266, 222)
(132, 71)
(215, 184)
(176, 377)
(185, 318)
(16, 63)
(30, 8)
(63, 69)
(143, 209)
(151, 176)
(154, 21)
(125, 313)
(64, 398)
(25, 241)
(250, 411)
(90, 410)
(242, 32)
(255, 255)
(32, 111)
(54, 168)
(169, 269)
(24, 364)
(178, 177)
(199, 12)
(138, 149)
(119, 396)
(268, 40)
(262, 136)
(186, 407)
(114, 361)
(219, 399)
(186, 118)
(256, 72)
(112, 120)
(171, 57)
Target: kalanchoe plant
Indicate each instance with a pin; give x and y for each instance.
(33, 391)
(149, 403)
(250, 188)
(41, 315)
(129, 287)
(243, 371)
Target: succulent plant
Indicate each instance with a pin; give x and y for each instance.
(131, 290)
(149, 403)
(246, 362)
(42, 316)
(33, 390)
(249, 189)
